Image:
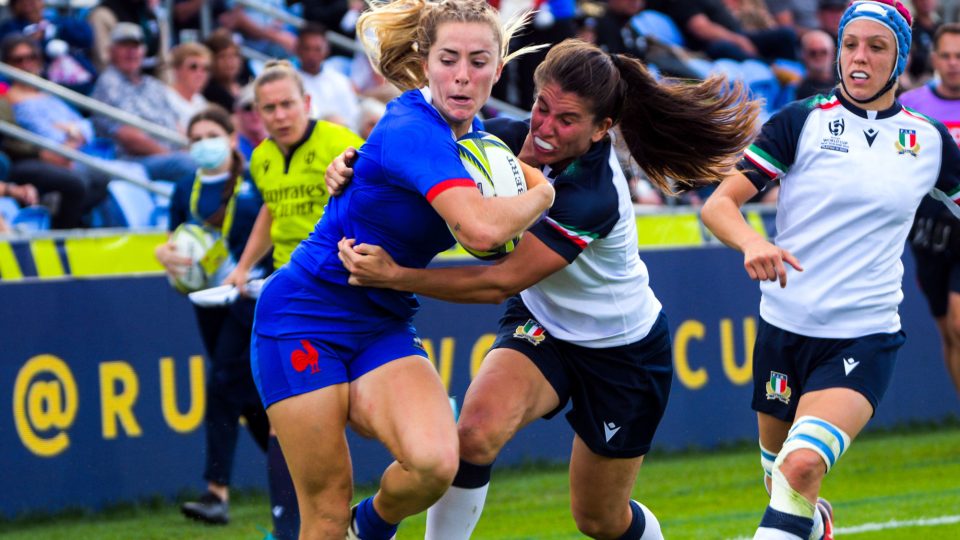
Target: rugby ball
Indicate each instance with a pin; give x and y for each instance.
(191, 241)
(497, 173)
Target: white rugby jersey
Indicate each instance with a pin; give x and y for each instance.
(603, 297)
(850, 182)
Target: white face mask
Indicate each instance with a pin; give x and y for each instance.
(210, 153)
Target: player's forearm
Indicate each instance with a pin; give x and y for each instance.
(723, 217)
(501, 218)
(259, 241)
(463, 285)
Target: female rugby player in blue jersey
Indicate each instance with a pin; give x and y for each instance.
(582, 323)
(853, 167)
(326, 353)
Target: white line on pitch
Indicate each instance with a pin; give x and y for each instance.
(892, 524)
(898, 524)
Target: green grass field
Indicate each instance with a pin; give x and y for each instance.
(906, 485)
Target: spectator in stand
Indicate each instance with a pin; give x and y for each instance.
(616, 35)
(371, 111)
(228, 71)
(801, 15)
(191, 72)
(339, 16)
(250, 128)
(332, 96)
(920, 67)
(935, 238)
(22, 194)
(58, 37)
(78, 188)
(817, 51)
(155, 32)
(710, 27)
(829, 13)
(186, 25)
(125, 86)
(552, 22)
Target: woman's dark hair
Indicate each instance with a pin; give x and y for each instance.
(13, 41)
(218, 115)
(690, 133)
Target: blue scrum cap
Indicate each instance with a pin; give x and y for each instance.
(890, 13)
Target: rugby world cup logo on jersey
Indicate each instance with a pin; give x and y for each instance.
(907, 142)
(777, 387)
(531, 331)
(835, 128)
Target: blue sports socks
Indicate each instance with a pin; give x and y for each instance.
(283, 497)
(370, 526)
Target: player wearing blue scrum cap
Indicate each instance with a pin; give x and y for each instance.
(853, 167)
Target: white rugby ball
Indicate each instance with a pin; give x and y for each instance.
(497, 173)
(190, 241)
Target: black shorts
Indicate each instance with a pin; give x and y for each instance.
(619, 394)
(935, 243)
(788, 365)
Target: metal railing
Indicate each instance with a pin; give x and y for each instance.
(347, 43)
(13, 130)
(91, 104)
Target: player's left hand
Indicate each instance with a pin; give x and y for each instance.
(369, 265)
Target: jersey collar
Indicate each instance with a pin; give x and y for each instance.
(863, 113)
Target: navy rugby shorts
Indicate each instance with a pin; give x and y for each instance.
(618, 394)
(788, 365)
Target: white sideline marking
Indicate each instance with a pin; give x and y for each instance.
(897, 524)
(892, 524)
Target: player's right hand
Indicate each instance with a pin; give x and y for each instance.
(339, 172)
(763, 261)
(173, 263)
(238, 278)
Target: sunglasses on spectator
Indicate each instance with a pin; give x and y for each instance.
(195, 66)
(247, 108)
(816, 52)
(32, 57)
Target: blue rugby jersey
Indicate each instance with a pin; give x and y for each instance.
(409, 159)
(850, 182)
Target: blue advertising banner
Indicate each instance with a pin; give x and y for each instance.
(105, 380)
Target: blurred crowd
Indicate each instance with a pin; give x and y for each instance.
(162, 61)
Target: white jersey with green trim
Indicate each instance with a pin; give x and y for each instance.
(850, 182)
(603, 297)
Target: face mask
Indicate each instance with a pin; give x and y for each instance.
(210, 153)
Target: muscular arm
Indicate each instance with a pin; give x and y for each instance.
(721, 214)
(706, 30)
(485, 223)
(531, 262)
(258, 245)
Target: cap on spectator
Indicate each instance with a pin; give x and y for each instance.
(245, 98)
(126, 31)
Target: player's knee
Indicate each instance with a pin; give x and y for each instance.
(802, 468)
(480, 440)
(435, 466)
(812, 447)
